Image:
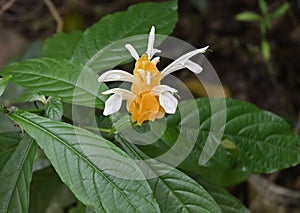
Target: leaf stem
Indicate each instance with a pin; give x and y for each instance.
(36, 111)
(35, 105)
(3, 109)
(101, 129)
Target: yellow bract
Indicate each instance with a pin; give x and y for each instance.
(145, 106)
(148, 99)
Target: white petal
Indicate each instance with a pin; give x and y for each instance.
(116, 75)
(123, 93)
(195, 68)
(166, 99)
(157, 90)
(174, 66)
(112, 104)
(148, 78)
(168, 102)
(155, 51)
(150, 49)
(155, 60)
(151, 42)
(203, 50)
(181, 61)
(132, 51)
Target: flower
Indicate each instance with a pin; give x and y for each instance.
(148, 99)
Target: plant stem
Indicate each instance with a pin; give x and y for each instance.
(3, 109)
(101, 129)
(35, 105)
(38, 111)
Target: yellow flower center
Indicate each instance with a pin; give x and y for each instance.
(146, 105)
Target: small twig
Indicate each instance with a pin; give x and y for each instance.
(55, 15)
(6, 6)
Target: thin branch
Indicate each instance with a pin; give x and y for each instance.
(6, 6)
(55, 15)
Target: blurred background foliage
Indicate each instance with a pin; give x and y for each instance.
(236, 45)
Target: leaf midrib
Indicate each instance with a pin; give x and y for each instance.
(138, 22)
(8, 150)
(43, 75)
(18, 174)
(208, 119)
(75, 152)
(158, 176)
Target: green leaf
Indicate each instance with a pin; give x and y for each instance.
(102, 46)
(264, 141)
(28, 51)
(31, 96)
(48, 193)
(90, 166)
(227, 202)
(3, 82)
(263, 6)
(61, 45)
(265, 50)
(15, 178)
(228, 145)
(54, 108)
(61, 78)
(248, 16)
(280, 11)
(8, 144)
(267, 22)
(173, 190)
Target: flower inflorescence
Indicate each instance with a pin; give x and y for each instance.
(148, 99)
